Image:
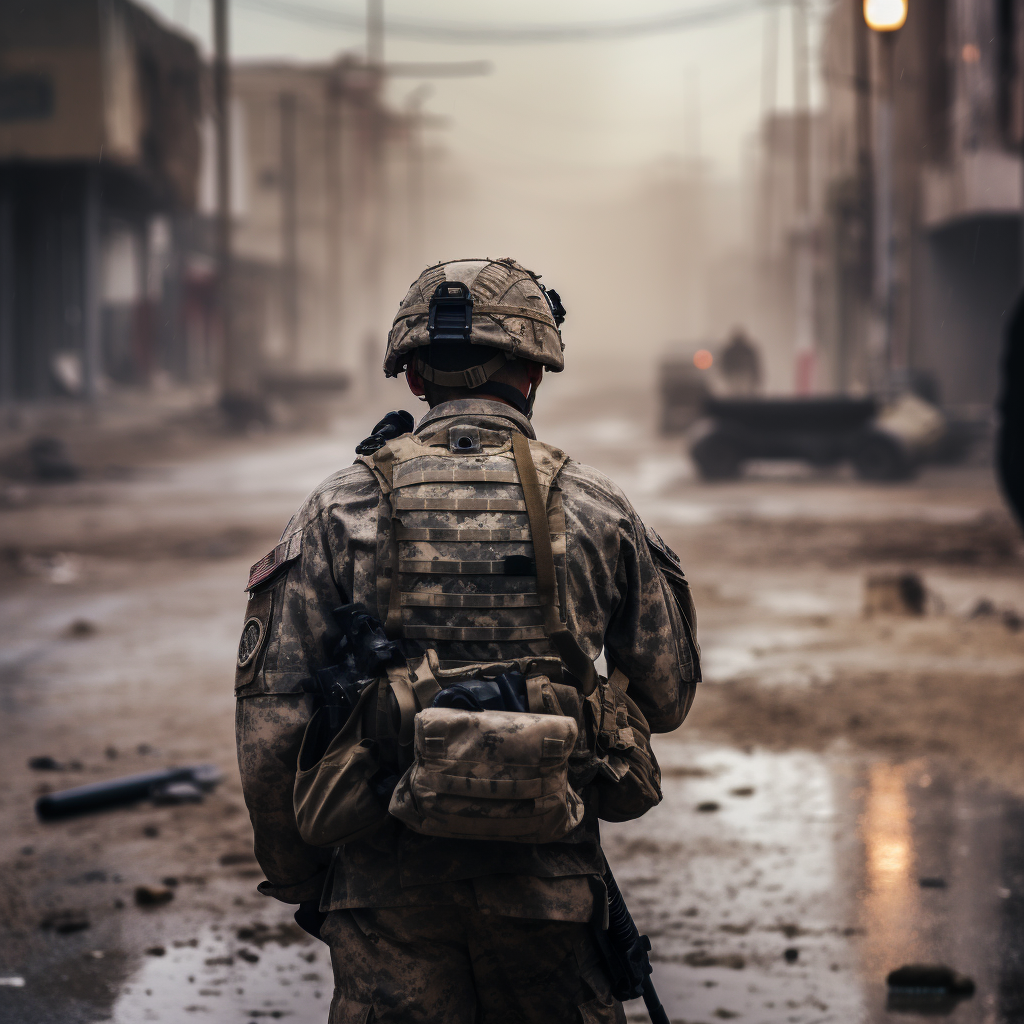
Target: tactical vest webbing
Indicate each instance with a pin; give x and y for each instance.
(466, 579)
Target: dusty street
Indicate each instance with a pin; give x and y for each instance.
(846, 798)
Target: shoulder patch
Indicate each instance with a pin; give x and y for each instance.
(271, 563)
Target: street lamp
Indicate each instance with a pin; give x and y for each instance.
(885, 17)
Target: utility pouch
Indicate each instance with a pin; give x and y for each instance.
(497, 775)
(334, 798)
(344, 795)
(628, 779)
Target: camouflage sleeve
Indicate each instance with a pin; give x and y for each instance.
(289, 618)
(651, 633)
(649, 629)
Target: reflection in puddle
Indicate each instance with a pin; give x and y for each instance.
(217, 976)
(889, 909)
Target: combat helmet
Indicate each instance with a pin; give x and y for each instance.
(497, 305)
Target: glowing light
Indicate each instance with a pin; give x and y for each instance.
(703, 359)
(885, 15)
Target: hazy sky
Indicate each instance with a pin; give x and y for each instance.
(615, 104)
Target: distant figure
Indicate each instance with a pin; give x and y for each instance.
(740, 365)
(1010, 458)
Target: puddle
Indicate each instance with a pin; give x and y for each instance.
(855, 867)
(724, 893)
(224, 978)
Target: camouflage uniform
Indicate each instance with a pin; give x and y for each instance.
(504, 903)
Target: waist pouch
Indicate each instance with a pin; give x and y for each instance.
(460, 774)
(343, 794)
(500, 775)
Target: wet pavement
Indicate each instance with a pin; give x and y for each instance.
(780, 880)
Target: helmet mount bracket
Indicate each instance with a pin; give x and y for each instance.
(450, 317)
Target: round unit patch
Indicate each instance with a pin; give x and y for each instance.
(252, 637)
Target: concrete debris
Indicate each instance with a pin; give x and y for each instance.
(283, 933)
(51, 462)
(153, 895)
(931, 989)
(901, 593)
(986, 609)
(701, 958)
(65, 922)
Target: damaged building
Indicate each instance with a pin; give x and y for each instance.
(925, 238)
(100, 109)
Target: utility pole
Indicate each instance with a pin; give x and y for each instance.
(885, 20)
(804, 304)
(289, 225)
(376, 188)
(884, 182)
(769, 83)
(230, 385)
(864, 224)
(332, 221)
(416, 169)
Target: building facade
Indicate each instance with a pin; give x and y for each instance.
(921, 238)
(99, 157)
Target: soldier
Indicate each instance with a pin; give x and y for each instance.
(437, 929)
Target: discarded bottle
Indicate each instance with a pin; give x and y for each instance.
(128, 789)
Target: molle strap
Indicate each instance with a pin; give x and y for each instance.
(565, 643)
(393, 622)
(437, 504)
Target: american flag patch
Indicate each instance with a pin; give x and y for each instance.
(284, 554)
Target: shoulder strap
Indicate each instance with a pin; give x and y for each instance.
(568, 648)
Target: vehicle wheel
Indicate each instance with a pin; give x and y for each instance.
(717, 457)
(878, 456)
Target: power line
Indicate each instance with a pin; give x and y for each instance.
(512, 34)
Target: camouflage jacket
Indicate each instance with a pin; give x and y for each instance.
(626, 596)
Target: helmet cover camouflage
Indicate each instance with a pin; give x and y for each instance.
(511, 313)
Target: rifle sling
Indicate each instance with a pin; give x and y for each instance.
(569, 650)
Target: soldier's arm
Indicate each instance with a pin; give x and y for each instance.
(293, 607)
(652, 634)
(628, 595)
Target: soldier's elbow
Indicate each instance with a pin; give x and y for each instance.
(668, 719)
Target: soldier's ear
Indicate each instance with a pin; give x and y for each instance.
(415, 382)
